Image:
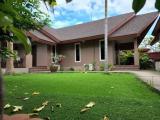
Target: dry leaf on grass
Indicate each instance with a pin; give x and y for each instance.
(26, 93)
(45, 103)
(35, 93)
(25, 98)
(38, 109)
(105, 118)
(87, 107)
(47, 118)
(17, 108)
(59, 105)
(42, 107)
(84, 110)
(7, 106)
(32, 115)
(52, 108)
(90, 104)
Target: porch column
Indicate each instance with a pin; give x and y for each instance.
(28, 60)
(136, 53)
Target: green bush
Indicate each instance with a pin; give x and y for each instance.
(101, 67)
(145, 62)
(71, 69)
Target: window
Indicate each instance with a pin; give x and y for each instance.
(53, 53)
(77, 52)
(102, 50)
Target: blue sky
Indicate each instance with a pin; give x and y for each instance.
(78, 12)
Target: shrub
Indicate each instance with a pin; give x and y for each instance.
(101, 67)
(71, 69)
(53, 68)
(145, 62)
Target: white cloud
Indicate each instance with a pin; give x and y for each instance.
(125, 6)
(91, 8)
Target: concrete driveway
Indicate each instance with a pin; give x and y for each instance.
(150, 77)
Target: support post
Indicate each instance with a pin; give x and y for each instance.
(10, 60)
(136, 53)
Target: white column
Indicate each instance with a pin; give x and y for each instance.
(28, 61)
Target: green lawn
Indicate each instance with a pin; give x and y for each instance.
(120, 96)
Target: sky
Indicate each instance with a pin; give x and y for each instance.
(77, 12)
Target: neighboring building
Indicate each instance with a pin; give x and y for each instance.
(156, 54)
(84, 43)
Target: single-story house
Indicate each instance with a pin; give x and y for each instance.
(84, 43)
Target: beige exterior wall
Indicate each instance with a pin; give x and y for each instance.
(43, 55)
(90, 52)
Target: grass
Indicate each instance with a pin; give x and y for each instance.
(120, 96)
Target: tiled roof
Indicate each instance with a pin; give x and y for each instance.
(118, 26)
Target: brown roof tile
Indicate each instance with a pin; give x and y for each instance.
(126, 25)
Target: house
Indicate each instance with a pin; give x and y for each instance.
(84, 43)
(156, 54)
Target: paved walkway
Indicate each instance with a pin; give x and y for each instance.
(150, 77)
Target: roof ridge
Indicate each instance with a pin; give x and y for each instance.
(49, 35)
(121, 24)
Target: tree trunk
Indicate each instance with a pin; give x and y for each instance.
(9, 62)
(106, 36)
(1, 90)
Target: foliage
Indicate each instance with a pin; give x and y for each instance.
(139, 4)
(126, 57)
(110, 66)
(53, 68)
(71, 69)
(102, 67)
(6, 53)
(114, 94)
(145, 62)
(58, 59)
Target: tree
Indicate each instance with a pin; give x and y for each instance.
(139, 4)
(17, 16)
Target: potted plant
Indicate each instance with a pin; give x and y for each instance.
(57, 60)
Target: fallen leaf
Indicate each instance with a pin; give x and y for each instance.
(35, 93)
(17, 108)
(59, 105)
(26, 93)
(105, 118)
(25, 98)
(45, 103)
(7, 106)
(47, 118)
(52, 108)
(33, 115)
(90, 104)
(38, 109)
(84, 110)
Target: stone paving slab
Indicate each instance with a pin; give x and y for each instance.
(150, 77)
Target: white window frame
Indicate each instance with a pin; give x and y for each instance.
(79, 52)
(100, 50)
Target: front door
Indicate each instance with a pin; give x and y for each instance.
(34, 55)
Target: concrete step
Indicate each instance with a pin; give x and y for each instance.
(125, 67)
(39, 69)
